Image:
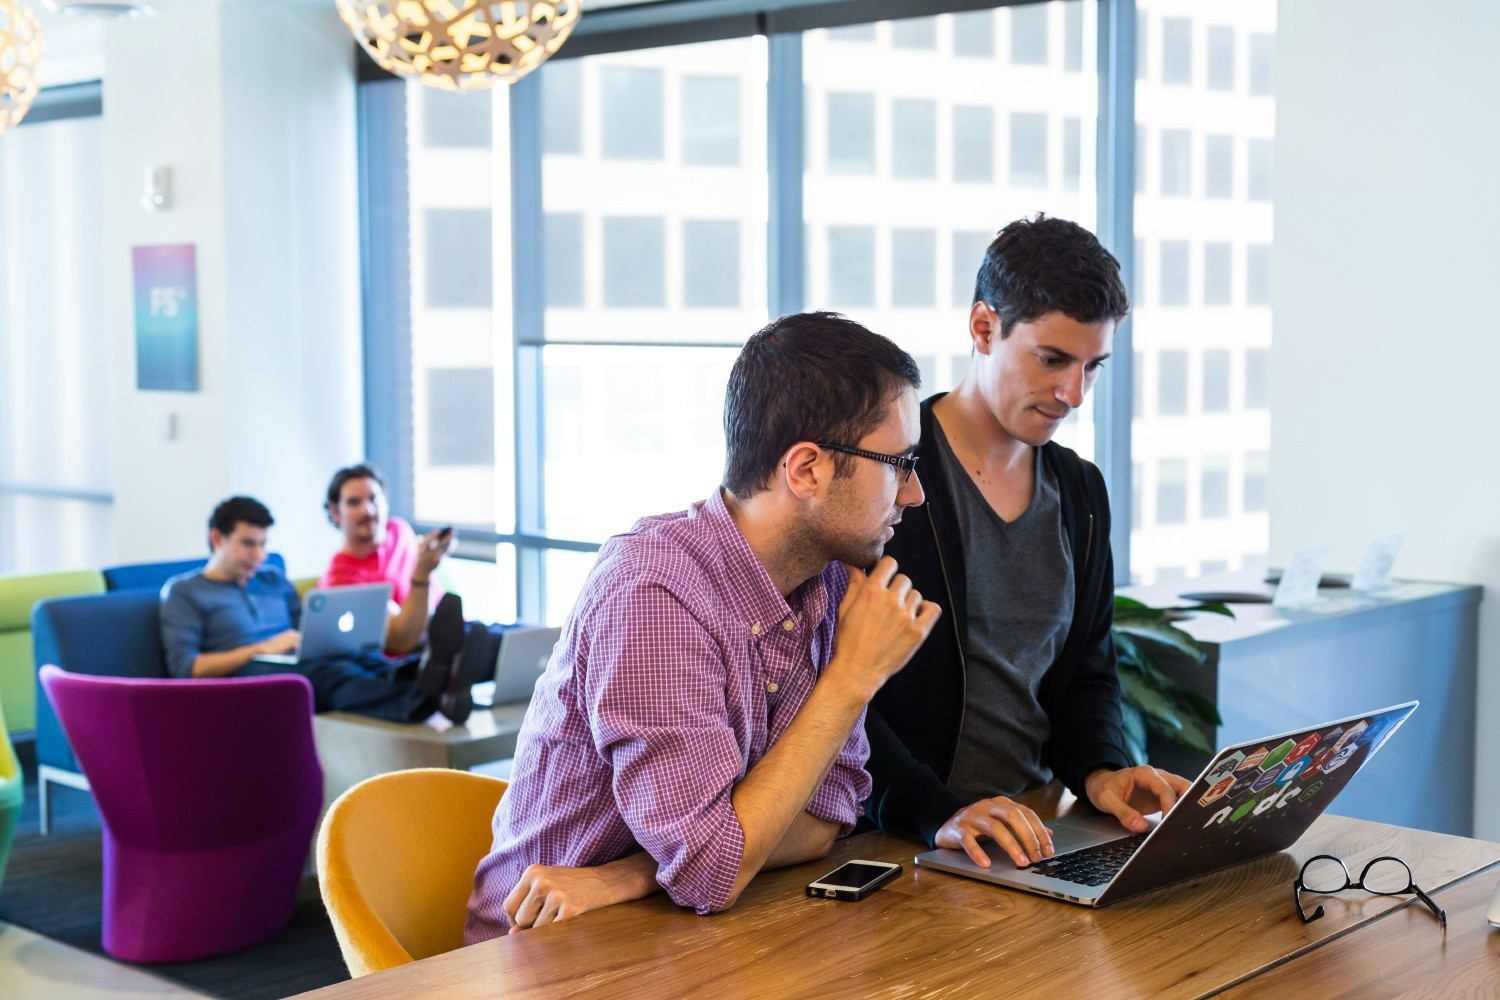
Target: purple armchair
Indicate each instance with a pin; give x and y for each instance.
(209, 791)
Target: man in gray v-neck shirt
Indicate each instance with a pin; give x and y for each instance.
(1018, 685)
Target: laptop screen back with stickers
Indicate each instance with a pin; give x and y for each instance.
(1255, 799)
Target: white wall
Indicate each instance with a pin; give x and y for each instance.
(253, 109)
(1385, 261)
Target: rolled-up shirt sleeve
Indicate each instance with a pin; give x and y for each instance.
(182, 625)
(840, 798)
(656, 697)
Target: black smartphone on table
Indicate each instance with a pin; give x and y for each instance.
(853, 880)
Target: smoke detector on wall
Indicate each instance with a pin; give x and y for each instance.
(101, 8)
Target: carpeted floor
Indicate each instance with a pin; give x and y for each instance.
(54, 886)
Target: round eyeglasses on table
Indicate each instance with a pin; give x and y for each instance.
(1384, 876)
(907, 462)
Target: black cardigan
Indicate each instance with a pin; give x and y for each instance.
(913, 724)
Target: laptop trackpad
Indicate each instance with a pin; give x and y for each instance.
(1074, 833)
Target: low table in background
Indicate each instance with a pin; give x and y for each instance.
(355, 747)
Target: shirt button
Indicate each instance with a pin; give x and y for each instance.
(788, 624)
(772, 688)
(755, 629)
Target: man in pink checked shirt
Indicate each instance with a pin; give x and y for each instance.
(701, 719)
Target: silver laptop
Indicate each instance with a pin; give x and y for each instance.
(339, 622)
(524, 652)
(1252, 800)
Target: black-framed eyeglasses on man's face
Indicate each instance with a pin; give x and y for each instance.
(907, 462)
(1385, 876)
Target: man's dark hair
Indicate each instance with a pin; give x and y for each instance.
(1037, 266)
(237, 510)
(807, 377)
(336, 484)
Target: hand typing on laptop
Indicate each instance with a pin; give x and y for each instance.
(1131, 791)
(282, 642)
(1126, 794)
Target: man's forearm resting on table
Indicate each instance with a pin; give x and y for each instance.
(777, 789)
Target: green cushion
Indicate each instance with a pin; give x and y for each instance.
(19, 593)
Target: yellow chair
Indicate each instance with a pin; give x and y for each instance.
(396, 860)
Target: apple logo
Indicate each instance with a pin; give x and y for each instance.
(346, 621)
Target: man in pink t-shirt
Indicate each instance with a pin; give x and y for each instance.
(381, 548)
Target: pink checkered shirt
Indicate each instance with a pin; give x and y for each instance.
(679, 667)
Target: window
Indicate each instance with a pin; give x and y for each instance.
(974, 34)
(1216, 380)
(1174, 273)
(1262, 65)
(1217, 266)
(1028, 149)
(649, 201)
(1218, 166)
(851, 133)
(1202, 287)
(1220, 57)
(460, 261)
(914, 33)
(1072, 152)
(1073, 37)
(1171, 491)
(1258, 170)
(973, 144)
(456, 121)
(635, 250)
(1257, 466)
(913, 138)
(565, 260)
(632, 118)
(852, 33)
(1257, 275)
(1214, 501)
(968, 253)
(913, 268)
(562, 95)
(711, 120)
(1172, 383)
(1257, 379)
(1142, 47)
(1028, 35)
(851, 266)
(711, 263)
(1176, 162)
(461, 421)
(1176, 50)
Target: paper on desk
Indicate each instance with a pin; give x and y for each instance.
(1375, 569)
(1299, 581)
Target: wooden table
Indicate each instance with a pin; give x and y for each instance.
(352, 748)
(1407, 954)
(931, 934)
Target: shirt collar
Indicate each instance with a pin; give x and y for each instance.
(761, 603)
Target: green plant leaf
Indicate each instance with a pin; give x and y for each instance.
(1166, 635)
(1154, 705)
(1204, 707)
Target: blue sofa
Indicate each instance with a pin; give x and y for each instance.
(116, 634)
(113, 634)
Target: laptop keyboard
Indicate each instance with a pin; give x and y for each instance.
(1093, 865)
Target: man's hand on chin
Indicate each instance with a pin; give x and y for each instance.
(1132, 792)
